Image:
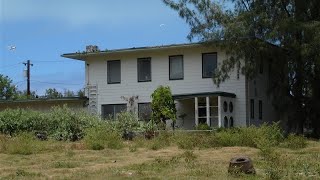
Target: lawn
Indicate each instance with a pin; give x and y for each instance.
(140, 159)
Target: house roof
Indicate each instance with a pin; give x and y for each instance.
(203, 94)
(63, 99)
(84, 55)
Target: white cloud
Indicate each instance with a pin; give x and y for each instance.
(80, 12)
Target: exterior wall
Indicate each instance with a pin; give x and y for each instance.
(257, 90)
(193, 82)
(42, 106)
(185, 109)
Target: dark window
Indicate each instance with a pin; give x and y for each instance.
(110, 111)
(261, 67)
(144, 69)
(260, 109)
(231, 107)
(226, 124)
(144, 111)
(231, 122)
(225, 106)
(252, 108)
(114, 72)
(209, 64)
(176, 67)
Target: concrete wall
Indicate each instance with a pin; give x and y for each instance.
(96, 74)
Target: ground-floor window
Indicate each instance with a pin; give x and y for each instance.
(252, 109)
(260, 109)
(109, 111)
(144, 111)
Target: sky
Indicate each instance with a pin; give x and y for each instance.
(42, 30)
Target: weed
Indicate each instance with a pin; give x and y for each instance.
(295, 142)
(64, 164)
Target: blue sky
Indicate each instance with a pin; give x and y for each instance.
(42, 30)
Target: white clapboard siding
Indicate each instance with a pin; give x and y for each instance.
(96, 73)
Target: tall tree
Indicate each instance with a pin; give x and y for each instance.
(7, 89)
(284, 32)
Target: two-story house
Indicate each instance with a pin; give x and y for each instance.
(187, 69)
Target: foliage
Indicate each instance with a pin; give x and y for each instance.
(23, 143)
(102, 136)
(127, 121)
(60, 123)
(295, 142)
(7, 89)
(162, 104)
(203, 126)
(283, 34)
(52, 93)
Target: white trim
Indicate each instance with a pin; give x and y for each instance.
(208, 110)
(196, 114)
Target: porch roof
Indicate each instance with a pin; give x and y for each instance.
(203, 94)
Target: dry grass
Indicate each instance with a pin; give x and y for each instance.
(66, 160)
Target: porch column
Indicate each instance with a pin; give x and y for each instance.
(219, 112)
(196, 114)
(208, 110)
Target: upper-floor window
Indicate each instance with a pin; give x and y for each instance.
(175, 67)
(114, 72)
(144, 69)
(209, 64)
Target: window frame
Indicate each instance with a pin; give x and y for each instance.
(108, 71)
(260, 109)
(203, 54)
(170, 67)
(139, 110)
(252, 108)
(113, 115)
(138, 69)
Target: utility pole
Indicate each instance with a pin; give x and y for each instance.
(28, 64)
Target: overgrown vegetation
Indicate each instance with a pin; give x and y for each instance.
(173, 154)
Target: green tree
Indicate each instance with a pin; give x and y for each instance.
(23, 95)
(163, 107)
(286, 33)
(52, 93)
(68, 93)
(7, 89)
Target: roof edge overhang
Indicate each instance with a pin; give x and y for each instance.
(203, 94)
(84, 55)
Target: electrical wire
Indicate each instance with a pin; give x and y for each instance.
(55, 83)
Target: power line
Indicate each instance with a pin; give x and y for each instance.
(8, 66)
(62, 61)
(55, 83)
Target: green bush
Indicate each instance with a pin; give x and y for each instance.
(102, 136)
(61, 123)
(161, 141)
(203, 126)
(295, 142)
(127, 121)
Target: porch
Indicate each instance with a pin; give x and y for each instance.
(216, 109)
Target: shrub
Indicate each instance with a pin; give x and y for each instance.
(203, 126)
(295, 142)
(185, 140)
(61, 123)
(161, 141)
(162, 104)
(102, 136)
(127, 122)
